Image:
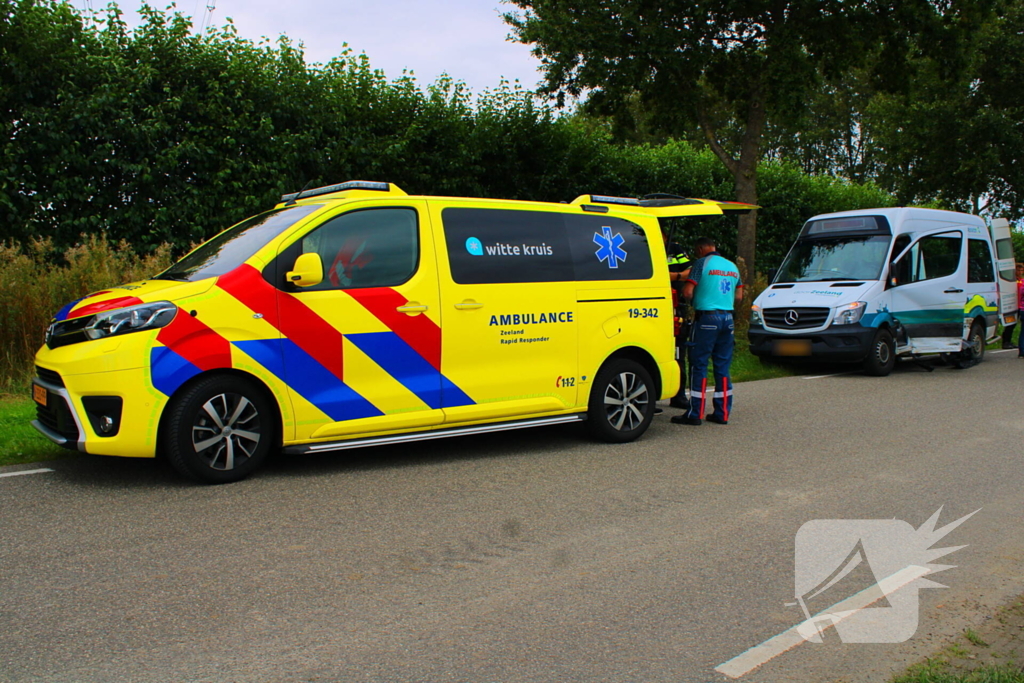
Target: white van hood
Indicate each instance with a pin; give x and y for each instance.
(813, 294)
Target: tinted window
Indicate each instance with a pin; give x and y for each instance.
(608, 248)
(931, 257)
(850, 224)
(1004, 249)
(236, 245)
(371, 248)
(500, 246)
(979, 262)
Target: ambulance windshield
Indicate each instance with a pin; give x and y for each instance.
(235, 246)
(825, 259)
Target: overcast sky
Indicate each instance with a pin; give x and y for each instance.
(465, 38)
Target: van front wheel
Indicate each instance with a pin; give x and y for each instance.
(881, 355)
(219, 430)
(622, 402)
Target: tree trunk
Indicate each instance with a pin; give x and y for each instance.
(745, 176)
(743, 170)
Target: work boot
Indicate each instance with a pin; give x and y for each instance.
(684, 420)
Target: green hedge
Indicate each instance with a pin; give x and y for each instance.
(159, 136)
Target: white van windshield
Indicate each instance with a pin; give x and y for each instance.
(835, 258)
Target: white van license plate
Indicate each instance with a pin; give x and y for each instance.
(792, 347)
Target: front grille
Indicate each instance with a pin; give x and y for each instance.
(49, 376)
(68, 332)
(806, 318)
(56, 416)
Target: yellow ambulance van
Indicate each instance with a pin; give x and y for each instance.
(354, 315)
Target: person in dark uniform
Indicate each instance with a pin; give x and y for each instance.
(679, 270)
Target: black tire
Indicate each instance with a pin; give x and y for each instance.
(975, 351)
(608, 418)
(881, 356)
(220, 429)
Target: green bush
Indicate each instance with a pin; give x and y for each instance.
(36, 281)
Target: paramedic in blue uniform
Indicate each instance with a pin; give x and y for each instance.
(715, 288)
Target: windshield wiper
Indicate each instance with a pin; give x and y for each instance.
(834, 279)
(180, 277)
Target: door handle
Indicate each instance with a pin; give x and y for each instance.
(953, 290)
(412, 308)
(468, 305)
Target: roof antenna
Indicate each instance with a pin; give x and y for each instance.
(298, 194)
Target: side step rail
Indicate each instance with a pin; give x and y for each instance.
(303, 449)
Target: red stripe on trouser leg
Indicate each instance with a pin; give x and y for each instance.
(703, 396)
(725, 398)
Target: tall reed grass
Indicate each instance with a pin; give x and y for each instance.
(36, 281)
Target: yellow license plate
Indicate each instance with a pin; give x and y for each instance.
(792, 347)
(39, 394)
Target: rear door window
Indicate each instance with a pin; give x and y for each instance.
(979, 262)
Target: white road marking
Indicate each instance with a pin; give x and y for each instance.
(21, 472)
(838, 374)
(743, 664)
(1001, 351)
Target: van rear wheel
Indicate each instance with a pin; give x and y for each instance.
(219, 430)
(975, 351)
(881, 354)
(622, 402)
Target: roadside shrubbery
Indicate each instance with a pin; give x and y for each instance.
(36, 280)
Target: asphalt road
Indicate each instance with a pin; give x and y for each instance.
(528, 556)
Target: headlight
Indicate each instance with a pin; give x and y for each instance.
(131, 319)
(849, 314)
(755, 315)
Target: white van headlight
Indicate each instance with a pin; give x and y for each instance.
(130, 319)
(850, 313)
(755, 315)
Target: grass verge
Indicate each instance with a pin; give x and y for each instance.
(991, 653)
(21, 443)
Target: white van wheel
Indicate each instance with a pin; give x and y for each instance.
(622, 402)
(881, 355)
(975, 351)
(219, 430)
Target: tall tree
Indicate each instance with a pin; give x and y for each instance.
(723, 67)
(954, 132)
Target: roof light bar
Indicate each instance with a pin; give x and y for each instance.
(340, 187)
(602, 199)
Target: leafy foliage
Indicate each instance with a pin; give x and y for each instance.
(158, 135)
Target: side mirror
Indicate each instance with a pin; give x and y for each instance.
(893, 280)
(307, 271)
(771, 275)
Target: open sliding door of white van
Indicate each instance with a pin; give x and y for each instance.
(1005, 265)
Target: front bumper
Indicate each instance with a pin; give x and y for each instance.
(842, 343)
(61, 415)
